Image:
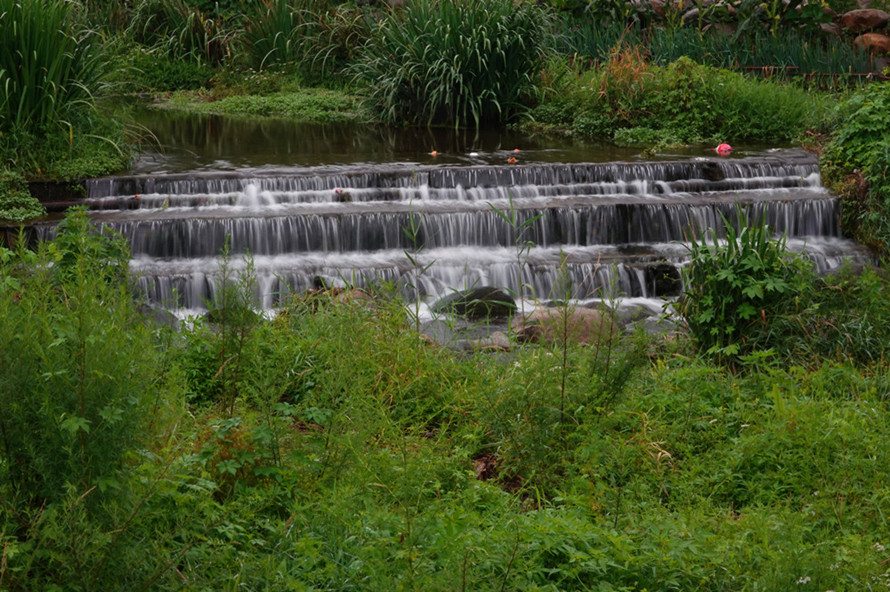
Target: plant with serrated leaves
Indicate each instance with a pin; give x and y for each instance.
(736, 288)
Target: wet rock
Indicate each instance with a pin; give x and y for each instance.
(477, 303)
(666, 279)
(864, 19)
(584, 326)
(874, 43)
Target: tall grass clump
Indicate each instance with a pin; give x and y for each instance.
(50, 69)
(180, 30)
(454, 63)
(310, 36)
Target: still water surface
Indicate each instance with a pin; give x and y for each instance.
(181, 142)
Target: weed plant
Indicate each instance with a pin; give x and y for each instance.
(16, 203)
(454, 63)
(737, 287)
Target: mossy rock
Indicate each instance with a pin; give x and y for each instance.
(477, 303)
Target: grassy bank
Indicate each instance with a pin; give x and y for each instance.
(332, 449)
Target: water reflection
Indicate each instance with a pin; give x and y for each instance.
(188, 142)
(204, 142)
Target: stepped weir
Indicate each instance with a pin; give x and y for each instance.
(545, 231)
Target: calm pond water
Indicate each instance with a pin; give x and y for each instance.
(188, 142)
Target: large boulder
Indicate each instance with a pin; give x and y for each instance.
(477, 303)
(864, 19)
(570, 324)
(873, 43)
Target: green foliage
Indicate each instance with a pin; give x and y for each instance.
(49, 67)
(77, 368)
(316, 39)
(149, 69)
(736, 288)
(16, 203)
(856, 163)
(630, 101)
(454, 63)
(181, 30)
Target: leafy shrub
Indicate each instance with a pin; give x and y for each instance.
(76, 367)
(456, 63)
(856, 163)
(735, 290)
(16, 203)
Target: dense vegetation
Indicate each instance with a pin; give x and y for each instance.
(633, 74)
(333, 449)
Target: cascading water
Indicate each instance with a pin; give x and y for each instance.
(614, 229)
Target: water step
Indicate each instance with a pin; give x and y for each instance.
(543, 230)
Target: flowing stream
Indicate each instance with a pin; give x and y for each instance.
(359, 207)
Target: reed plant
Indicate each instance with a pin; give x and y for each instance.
(793, 54)
(454, 63)
(50, 68)
(182, 31)
(311, 36)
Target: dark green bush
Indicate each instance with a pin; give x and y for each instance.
(454, 63)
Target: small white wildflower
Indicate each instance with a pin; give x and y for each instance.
(878, 547)
(804, 580)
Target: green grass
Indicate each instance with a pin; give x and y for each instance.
(310, 105)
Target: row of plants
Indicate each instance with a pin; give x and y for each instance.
(331, 448)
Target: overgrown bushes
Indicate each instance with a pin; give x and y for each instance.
(633, 102)
(856, 163)
(332, 448)
(51, 69)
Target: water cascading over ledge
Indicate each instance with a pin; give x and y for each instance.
(612, 229)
